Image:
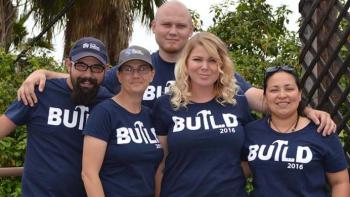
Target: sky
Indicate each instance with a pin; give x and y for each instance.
(144, 37)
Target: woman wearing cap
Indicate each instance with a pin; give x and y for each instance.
(200, 124)
(285, 153)
(121, 151)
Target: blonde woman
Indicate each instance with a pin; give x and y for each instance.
(200, 124)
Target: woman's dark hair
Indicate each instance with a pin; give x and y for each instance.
(270, 71)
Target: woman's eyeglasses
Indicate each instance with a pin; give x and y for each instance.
(94, 68)
(141, 70)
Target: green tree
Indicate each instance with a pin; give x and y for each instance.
(256, 35)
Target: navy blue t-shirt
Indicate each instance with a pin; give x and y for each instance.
(291, 164)
(52, 164)
(204, 143)
(164, 76)
(133, 152)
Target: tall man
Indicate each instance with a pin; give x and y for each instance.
(54, 145)
(172, 28)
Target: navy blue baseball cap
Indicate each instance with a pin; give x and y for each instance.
(89, 46)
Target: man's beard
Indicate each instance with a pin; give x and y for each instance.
(81, 95)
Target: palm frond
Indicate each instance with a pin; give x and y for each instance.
(146, 9)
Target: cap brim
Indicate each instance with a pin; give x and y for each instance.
(88, 54)
(121, 63)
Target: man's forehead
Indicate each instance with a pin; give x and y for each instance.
(179, 20)
(89, 59)
(175, 22)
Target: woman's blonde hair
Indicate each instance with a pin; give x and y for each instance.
(225, 87)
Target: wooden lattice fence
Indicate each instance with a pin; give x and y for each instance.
(325, 59)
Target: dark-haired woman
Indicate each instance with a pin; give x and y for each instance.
(121, 152)
(286, 155)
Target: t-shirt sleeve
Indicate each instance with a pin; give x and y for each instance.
(160, 118)
(247, 116)
(243, 84)
(19, 113)
(245, 148)
(110, 81)
(334, 159)
(244, 154)
(242, 104)
(99, 124)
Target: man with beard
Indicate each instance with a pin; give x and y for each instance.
(54, 145)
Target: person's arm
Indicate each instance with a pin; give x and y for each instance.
(339, 182)
(111, 81)
(325, 124)
(321, 118)
(93, 154)
(255, 98)
(6, 126)
(26, 91)
(159, 174)
(245, 168)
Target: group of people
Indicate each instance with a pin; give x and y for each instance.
(172, 123)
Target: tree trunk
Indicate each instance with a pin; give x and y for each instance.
(7, 18)
(109, 22)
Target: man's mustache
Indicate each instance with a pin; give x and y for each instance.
(86, 79)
